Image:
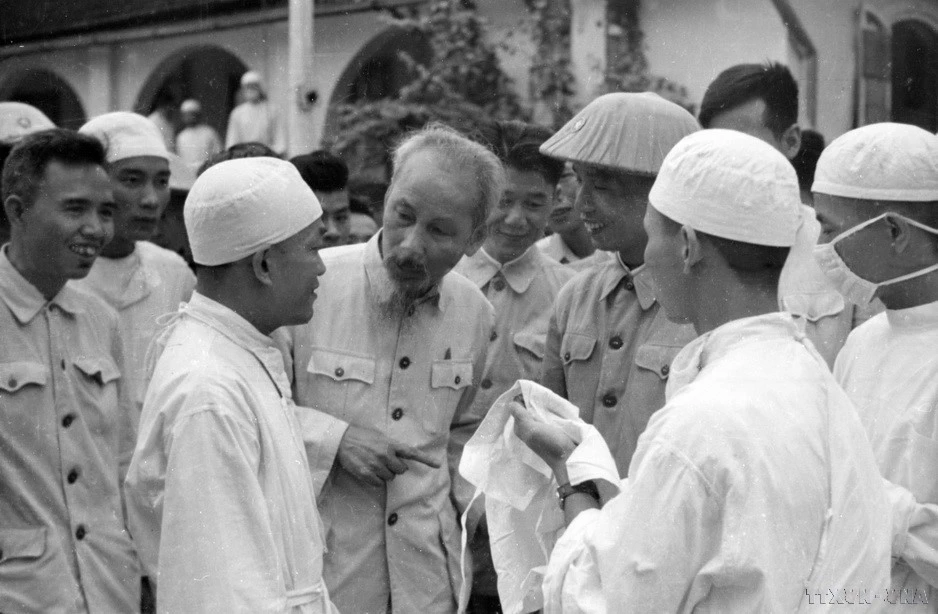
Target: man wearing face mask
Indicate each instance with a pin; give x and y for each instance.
(876, 190)
(391, 360)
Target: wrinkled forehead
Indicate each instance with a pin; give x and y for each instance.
(429, 181)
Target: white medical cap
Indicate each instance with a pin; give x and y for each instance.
(238, 207)
(251, 78)
(190, 106)
(730, 185)
(630, 132)
(126, 135)
(880, 162)
(18, 120)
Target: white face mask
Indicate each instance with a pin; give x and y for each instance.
(853, 287)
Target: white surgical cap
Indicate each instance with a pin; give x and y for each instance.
(126, 135)
(630, 132)
(241, 206)
(251, 78)
(18, 120)
(880, 162)
(730, 185)
(190, 106)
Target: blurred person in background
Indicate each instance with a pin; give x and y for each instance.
(197, 141)
(327, 176)
(569, 241)
(17, 120)
(361, 227)
(256, 119)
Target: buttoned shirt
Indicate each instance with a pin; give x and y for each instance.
(889, 368)
(149, 283)
(553, 246)
(256, 122)
(65, 423)
(219, 494)
(413, 377)
(752, 490)
(196, 144)
(609, 352)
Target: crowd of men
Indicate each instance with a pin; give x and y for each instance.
(748, 320)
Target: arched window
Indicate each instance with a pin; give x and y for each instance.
(48, 92)
(915, 74)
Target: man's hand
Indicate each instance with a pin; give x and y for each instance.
(374, 459)
(546, 440)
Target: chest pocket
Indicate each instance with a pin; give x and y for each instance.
(339, 382)
(448, 378)
(96, 390)
(576, 348)
(16, 375)
(530, 348)
(656, 359)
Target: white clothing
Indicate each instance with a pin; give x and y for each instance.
(219, 495)
(555, 247)
(150, 282)
(196, 144)
(750, 490)
(889, 368)
(256, 122)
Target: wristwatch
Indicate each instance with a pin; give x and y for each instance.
(587, 488)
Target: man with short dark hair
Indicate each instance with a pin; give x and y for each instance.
(327, 175)
(393, 355)
(17, 120)
(64, 407)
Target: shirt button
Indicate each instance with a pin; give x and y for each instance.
(499, 285)
(397, 414)
(80, 532)
(610, 400)
(12, 383)
(72, 476)
(493, 336)
(566, 356)
(616, 342)
(63, 364)
(67, 420)
(339, 372)
(629, 285)
(392, 519)
(486, 384)
(665, 370)
(458, 379)
(404, 363)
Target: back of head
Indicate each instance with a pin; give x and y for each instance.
(735, 188)
(126, 135)
(463, 155)
(771, 82)
(805, 163)
(239, 207)
(623, 132)
(237, 152)
(517, 144)
(322, 171)
(27, 162)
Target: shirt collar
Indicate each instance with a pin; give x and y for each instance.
(377, 274)
(920, 316)
(617, 275)
(24, 299)
(481, 268)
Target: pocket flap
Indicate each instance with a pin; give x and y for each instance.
(453, 374)
(532, 342)
(574, 346)
(101, 369)
(22, 543)
(656, 358)
(815, 306)
(15, 375)
(341, 366)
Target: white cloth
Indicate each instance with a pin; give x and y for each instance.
(241, 206)
(126, 135)
(889, 368)
(190, 105)
(219, 495)
(730, 185)
(524, 518)
(750, 490)
(256, 122)
(555, 247)
(18, 119)
(627, 131)
(886, 161)
(143, 286)
(196, 144)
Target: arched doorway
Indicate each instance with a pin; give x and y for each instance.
(207, 73)
(915, 74)
(46, 91)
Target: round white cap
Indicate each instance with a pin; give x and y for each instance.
(126, 135)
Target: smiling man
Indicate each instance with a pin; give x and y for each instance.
(609, 345)
(219, 493)
(393, 356)
(63, 406)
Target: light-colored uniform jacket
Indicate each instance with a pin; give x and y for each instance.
(413, 378)
(219, 495)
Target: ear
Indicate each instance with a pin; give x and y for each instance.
(900, 232)
(791, 141)
(692, 251)
(15, 208)
(261, 266)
